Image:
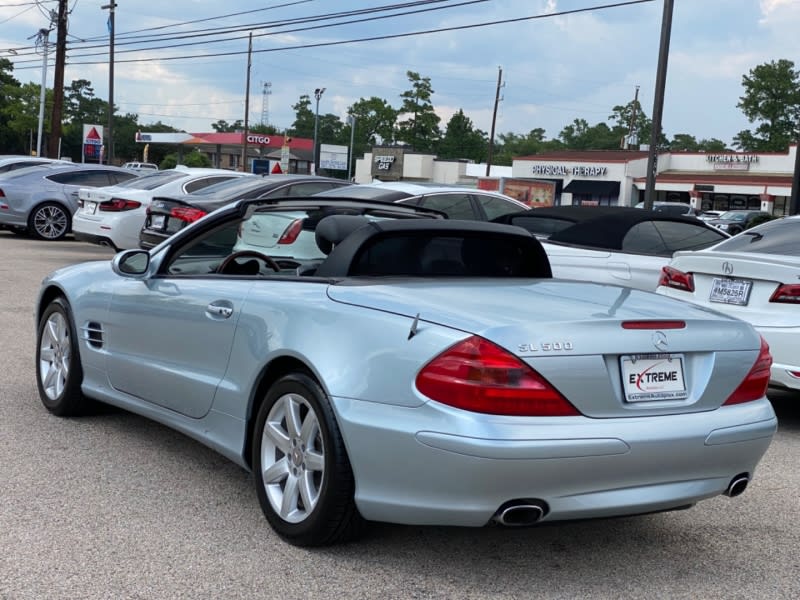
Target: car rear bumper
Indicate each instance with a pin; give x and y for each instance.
(433, 465)
(93, 239)
(148, 240)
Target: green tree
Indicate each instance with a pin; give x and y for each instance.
(264, 129)
(621, 116)
(22, 116)
(772, 99)
(195, 158)
(462, 140)
(375, 122)
(511, 145)
(579, 135)
(683, 142)
(712, 145)
(303, 125)
(222, 126)
(10, 141)
(420, 128)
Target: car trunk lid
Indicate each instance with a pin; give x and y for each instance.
(577, 336)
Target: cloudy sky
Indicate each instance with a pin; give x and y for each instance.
(555, 67)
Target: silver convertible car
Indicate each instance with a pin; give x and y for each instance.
(413, 370)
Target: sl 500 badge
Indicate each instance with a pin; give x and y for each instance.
(545, 347)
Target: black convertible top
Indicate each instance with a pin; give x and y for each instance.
(427, 248)
(593, 226)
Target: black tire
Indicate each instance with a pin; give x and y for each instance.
(49, 221)
(58, 362)
(312, 454)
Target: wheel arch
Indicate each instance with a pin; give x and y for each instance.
(270, 373)
(47, 295)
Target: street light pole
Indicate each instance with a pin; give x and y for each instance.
(43, 36)
(110, 7)
(352, 121)
(317, 94)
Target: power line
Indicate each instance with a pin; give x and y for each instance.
(252, 26)
(383, 37)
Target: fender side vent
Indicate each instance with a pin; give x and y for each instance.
(93, 334)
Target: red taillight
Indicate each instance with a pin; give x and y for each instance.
(187, 213)
(673, 278)
(118, 205)
(755, 384)
(478, 376)
(787, 294)
(653, 324)
(291, 232)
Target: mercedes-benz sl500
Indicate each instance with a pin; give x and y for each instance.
(408, 368)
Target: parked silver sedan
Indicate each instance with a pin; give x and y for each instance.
(419, 370)
(41, 200)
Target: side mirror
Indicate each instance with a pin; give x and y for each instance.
(131, 263)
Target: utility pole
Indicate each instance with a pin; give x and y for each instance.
(352, 120)
(247, 103)
(794, 199)
(317, 94)
(58, 79)
(494, 120)
(625, 142)
(658, 105)
(110, 153)
(42, 38)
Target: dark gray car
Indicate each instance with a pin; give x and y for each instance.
(41, 200)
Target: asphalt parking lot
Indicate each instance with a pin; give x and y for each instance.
(114, 506)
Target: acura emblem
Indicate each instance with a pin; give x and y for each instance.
(660, 340)
(727, 268)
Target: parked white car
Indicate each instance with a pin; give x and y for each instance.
(142, 167)
(752, 276)
(610, 244)
(113, 216)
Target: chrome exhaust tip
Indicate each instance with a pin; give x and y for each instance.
(520, 513)
(738, 485)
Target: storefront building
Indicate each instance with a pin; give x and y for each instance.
(225, 149)
(587, 177)
(726, 181)
(707, 181)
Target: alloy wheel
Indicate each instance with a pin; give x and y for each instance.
(55, 353)
(50, 222)
(292, 458)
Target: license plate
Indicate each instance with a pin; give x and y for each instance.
(157, 221)
(90, 208)
(730, 291)
(648, 377)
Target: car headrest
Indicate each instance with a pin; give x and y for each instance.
(332, 229)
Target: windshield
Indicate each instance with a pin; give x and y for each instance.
(733, 215)
(365, 192)
(231, 187)
(152, 180)
(781, 236)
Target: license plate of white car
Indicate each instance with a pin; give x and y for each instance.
(648, 377)
(730, 291)
(90, 208)
(157, 221)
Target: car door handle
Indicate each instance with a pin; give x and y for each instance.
(219, 310)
